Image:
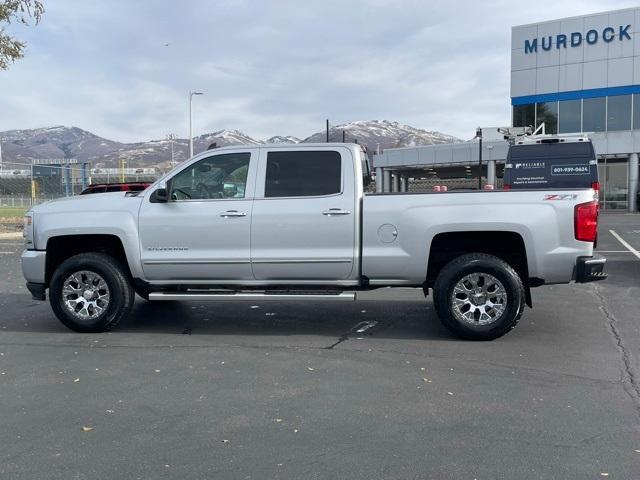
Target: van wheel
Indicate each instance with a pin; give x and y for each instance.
(90, 292)
(479, 296)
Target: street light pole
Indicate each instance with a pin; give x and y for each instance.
(479, 136)
(191, 94)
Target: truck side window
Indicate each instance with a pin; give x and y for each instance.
(303, 174)
(215, 177)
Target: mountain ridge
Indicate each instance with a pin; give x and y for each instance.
(23, 146)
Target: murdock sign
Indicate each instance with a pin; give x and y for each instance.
(575, 39)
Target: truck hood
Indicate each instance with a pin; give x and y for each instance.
(97, 202)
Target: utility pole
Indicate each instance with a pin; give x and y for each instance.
(1, 140)
(191, 94)
(479, 136)
(171, 137)
(327, 130)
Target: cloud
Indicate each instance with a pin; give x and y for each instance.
(269, 67)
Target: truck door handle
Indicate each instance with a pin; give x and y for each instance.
(336, 211)
(233, 213)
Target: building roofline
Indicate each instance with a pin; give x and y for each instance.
(607, 12)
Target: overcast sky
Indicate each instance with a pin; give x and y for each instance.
(269, 67)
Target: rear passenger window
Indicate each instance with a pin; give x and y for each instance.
(303, 174)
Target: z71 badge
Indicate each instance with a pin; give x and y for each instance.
(566, 196)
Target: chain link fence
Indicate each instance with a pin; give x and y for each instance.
(25, 184)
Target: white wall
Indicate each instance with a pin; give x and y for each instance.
(562, 69)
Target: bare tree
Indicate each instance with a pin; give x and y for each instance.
(16, 11)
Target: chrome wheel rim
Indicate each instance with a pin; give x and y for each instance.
(85, 295)
(478, 299)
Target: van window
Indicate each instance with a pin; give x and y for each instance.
(303, 174)
(551, 165)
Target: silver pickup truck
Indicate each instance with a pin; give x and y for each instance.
(292, 222)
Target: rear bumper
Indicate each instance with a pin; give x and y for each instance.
(590, 269)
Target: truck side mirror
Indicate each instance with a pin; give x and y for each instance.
(161, 194)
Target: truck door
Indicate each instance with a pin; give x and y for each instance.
(202, 232)
(304, 219)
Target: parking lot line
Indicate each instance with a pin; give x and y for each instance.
(625, 244)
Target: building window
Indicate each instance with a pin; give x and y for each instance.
(569, 116)
(636, 111)
(613, 176)
(594, 114)
(524, 115)
(619, 113)
(548, 113)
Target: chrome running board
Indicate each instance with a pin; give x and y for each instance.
(256, 296)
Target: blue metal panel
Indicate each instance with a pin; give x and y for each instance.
(576, 95)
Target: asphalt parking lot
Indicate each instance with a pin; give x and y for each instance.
(291, 390)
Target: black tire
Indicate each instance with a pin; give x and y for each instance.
(115, 277)
(481, 263)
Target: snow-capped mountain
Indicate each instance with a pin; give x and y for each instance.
(382, 132)
(23, 146)
(54, 142)
(223, 138)
(281, 139)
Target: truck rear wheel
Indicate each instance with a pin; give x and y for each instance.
(479, 296)
(90, 292)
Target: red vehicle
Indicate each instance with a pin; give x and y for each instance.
(115, 187)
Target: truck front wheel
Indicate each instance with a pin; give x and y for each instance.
(90, 292)
(479, 296)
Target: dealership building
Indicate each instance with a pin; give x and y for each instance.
(578, 75)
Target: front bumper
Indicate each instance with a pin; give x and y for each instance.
(590, 269)
(37, 290)
(33, 269)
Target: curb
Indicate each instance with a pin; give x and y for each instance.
(10, 236)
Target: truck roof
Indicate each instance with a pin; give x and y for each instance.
(289, 145)
(542, 139)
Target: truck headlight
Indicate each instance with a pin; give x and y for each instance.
(27, 232)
